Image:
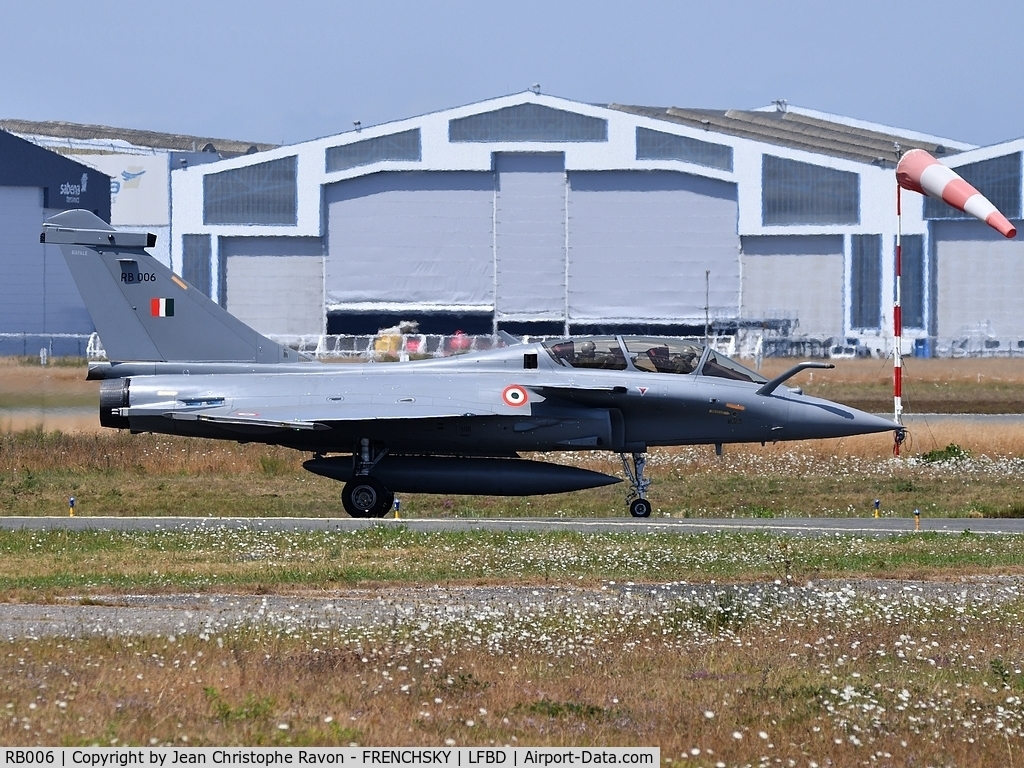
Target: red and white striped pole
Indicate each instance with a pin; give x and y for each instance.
(897, 321)
(920, 172)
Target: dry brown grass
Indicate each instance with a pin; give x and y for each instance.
(1008, 370)
(988, 439)
(19, 379)
(121, 474)
(963, 385)
(112, 450)
(780, 690)
(54, 397)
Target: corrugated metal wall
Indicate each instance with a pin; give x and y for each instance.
(412, 237)
(795, 277)
(637, 244)
(979, 281)
(21, 217)
(529, 217)
(39, 294)
(275, 284)
(640, 242)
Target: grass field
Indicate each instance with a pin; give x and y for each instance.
(61, 564)
(121, 474)
(760, 670)
(738, 677)
(114, 474)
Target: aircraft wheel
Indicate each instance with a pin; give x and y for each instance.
(366, 497)
(640, 508)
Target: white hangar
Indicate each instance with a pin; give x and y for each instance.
(541, 215)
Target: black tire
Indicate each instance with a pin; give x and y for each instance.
(640, 508)
(366, 497)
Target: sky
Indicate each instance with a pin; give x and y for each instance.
(283, 72)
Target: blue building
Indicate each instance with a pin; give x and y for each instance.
(39, 303)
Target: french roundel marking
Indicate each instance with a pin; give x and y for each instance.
(514, 395)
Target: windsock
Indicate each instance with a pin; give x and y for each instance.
(920, 172)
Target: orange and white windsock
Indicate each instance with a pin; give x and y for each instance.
(920, 172)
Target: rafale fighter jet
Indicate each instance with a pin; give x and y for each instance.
(182, 365)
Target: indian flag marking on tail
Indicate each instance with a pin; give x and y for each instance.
(161, 307)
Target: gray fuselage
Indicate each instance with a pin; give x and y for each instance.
(464, 406)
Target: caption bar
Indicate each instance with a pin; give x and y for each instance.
(165, 757)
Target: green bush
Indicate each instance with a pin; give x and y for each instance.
(951, 452)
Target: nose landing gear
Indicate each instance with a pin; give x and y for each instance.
(639, 506)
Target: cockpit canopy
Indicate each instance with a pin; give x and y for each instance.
(649, 354)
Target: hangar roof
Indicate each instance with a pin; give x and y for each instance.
(799, 130)
(108, 139)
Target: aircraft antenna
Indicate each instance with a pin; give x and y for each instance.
(707, 303)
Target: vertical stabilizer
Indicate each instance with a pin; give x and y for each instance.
(143, 311)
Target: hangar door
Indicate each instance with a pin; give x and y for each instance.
(274, 284)
(411, 238)
(529, 236)
(799, 278)
(979, 281)
(640, 242)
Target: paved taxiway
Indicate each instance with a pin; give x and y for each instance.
(794, 526)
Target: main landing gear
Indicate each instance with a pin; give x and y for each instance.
(363, 495)
(639, 506)
(366, 497)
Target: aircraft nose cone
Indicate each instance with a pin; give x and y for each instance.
(810, 417)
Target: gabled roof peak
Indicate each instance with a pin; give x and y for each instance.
(796, 129)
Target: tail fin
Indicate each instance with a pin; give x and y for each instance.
(143, 311)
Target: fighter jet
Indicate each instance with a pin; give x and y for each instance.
(182, 365)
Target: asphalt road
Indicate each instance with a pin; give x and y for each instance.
(823, 526)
